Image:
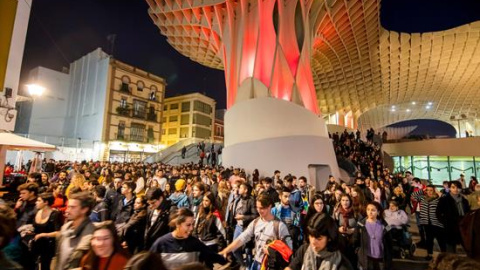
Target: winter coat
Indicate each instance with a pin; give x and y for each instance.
(362, 241)
(448, 215)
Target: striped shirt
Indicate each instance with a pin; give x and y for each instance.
(428, 209)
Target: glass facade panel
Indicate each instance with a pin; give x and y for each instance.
(184, 119)
(460, 165)
(420, 167)
(185, 106)
(202, 133)
(439, 169)
(202, 107)
(201, 119)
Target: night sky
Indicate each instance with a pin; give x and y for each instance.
(61, 31)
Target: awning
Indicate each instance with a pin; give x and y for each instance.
(15, 142)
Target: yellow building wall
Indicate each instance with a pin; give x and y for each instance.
(8, 10)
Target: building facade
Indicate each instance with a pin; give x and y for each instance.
(103, 109)
(218, 134)
(132, 127)
(188, 116)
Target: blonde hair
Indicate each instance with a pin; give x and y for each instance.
(77, 180)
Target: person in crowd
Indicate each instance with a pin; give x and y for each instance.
(197, 197)
(244, 212)
(125, 206)
(7, 232)
(321, 250)
(263, 229)
(145, 261)
(180, 247)
(134, 231)
(47, 223)
(394, 216)
(157, 216)
(100, 211)
(472, 198)
(73, 241)
(359, 201)
(208, 226)
(60, 202)
(105, 252)
(25, 206)
(179, 199)
(400, 197)
(346, 219)
(283, 211)
(362, 187)
(434, 229)
(139, 184)
(168, 190)
(222, 197)
(78, 181)
(470, 232)
(376, 191)
(445, 188)
(450, 210)
(296, 201)
(374, 240)
(270, 190)
(317, 205)
(331, 182)
(448, 261)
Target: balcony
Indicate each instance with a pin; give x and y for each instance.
(123, 110)
(137, 138)
(152, 117)
(139, 114)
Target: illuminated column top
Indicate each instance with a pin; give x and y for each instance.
(264, 46)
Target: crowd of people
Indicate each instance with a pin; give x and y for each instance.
(366, 154)
(96, 215)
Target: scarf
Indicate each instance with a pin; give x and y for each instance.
(458, 202)
(430, 199)
(346, 215)
(330, 260)
(197, 201)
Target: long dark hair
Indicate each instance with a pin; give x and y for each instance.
(92, 261)
(206, 213)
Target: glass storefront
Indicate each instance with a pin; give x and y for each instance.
(126, 156)
(438, 168)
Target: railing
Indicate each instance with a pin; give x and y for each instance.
(139, 114)
(171, 150)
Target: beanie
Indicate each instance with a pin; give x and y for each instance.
(179, 185)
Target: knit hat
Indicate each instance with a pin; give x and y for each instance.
(180, 185)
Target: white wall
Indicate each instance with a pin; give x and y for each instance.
(49, 110)
(270, 118)
(86, 102)
(270, 134)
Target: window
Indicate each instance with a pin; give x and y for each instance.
(202, 107)
(174, 106)
(201, 119)
(172, 131)
(140, 86)
(137, 132)
(152, 96)
(164, 119)
(163, 131)
(150, 135)
(165, 107)
(173, 118)
(185, 106)
(185, 119)
(152, 116)
(123, 102)
(199, 132)
(184, 132)
(121, 130)
(124, 87)
(139, 108)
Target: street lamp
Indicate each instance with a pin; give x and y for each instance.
(35, 90)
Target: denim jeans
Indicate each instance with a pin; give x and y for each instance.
(238, 254)
(255, 265)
